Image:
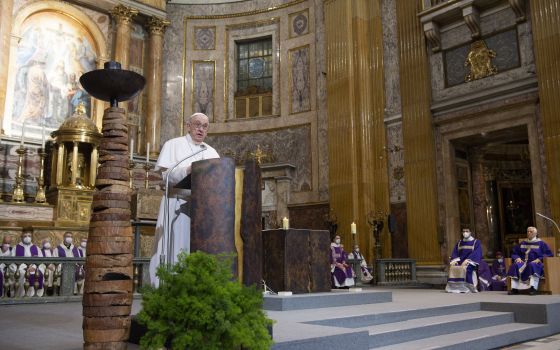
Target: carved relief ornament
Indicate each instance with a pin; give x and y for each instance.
(123, 13)
(479, 59)
(157, 25)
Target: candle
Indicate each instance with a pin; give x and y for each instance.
(148, 153)
(285, 223)
(353, 228)
(131, 148)
(43, 137)
(22, 134)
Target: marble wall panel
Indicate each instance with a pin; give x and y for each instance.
(204, 76)
(204, 38)
(291, 145)
(299, 23)
(504, 45)
(390, 58)
(397, 191)
(300, 95)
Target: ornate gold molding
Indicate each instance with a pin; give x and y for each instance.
(247, 13)
(123, 13)
(157, 25)
(480, 61)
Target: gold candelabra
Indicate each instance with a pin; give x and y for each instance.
(17, 194)
(147, 168)
(131, 165)
(40, 197)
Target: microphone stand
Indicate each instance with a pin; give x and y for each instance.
(166, 231)
(549, 219)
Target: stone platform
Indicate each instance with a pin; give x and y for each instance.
(336, 298)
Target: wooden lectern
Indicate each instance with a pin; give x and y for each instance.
(226, 214)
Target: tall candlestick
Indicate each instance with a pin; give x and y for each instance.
(353, 228)
(131, 148)
(148, 152)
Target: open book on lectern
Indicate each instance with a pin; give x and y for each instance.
(185, 183)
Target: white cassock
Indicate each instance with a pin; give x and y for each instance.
(173, 151)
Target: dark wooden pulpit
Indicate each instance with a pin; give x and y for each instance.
(297, 260)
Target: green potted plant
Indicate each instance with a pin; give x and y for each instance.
(199, 305)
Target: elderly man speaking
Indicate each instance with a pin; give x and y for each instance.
(173, 152)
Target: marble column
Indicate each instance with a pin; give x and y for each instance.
(418, 137)
(156, 28)
(123, 16)
(6, 9)
(545, 21)
(358, 171)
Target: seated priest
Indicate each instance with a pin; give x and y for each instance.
(499, 273)
(527, 263)
(484, 276)
(366, 275)
(464, 262)
(176, 151)
(6, 249)
(342, 276)
(33, 274)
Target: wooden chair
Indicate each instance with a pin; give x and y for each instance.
(550, 284)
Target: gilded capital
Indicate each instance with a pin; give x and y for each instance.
(123, 13)
(157, 25)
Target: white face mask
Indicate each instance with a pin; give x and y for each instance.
(83, 244)
(466, 234)
(26, 240)
(500, 260)
(337, 241)
(68, 240)
(357, 250)
(47, 245)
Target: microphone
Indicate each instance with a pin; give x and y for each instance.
(549, 219)
(166, 231)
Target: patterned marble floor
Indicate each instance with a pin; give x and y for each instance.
(548, 343)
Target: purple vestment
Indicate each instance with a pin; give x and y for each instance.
(465, 250)
(484, 276)
(62, 252)
(498, 273)
(528, 251)
(338, 256)
(20, 250)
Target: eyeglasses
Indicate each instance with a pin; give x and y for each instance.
(199, 126)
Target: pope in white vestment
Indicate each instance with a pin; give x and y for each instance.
(174, 151)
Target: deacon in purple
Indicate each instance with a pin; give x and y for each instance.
(499, 273)
(464, 262)
(35, 275)
(341, 271)
(527, 263)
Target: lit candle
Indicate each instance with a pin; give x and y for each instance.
(148, 153)
(131, 148)
(43, 137)
(353, 228)
(285, 223)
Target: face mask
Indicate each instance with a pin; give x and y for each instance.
(47, 245)
(358, 250)
(337, 241)
(26, 240)
(5, 247)
(83, 244)
(68, 240)
(466, 234)
(500, 260)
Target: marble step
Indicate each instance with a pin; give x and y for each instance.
(395, 316)
(476, 339)
(419, 328)
(323, 300)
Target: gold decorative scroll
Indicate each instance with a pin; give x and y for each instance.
(479, 59)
